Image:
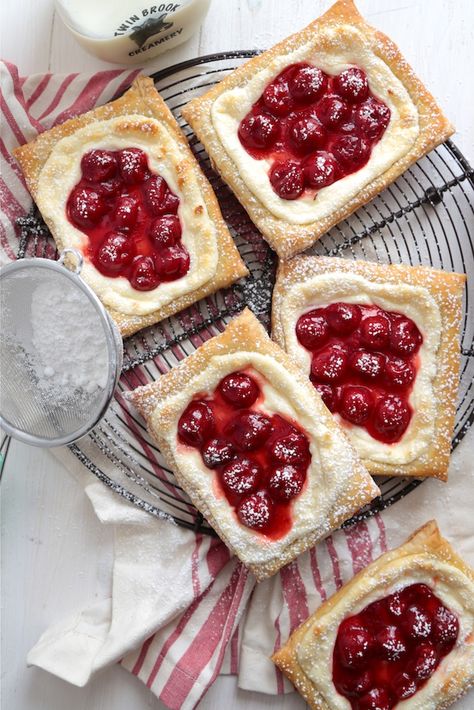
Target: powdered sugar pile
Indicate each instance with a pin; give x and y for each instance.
(69, 341)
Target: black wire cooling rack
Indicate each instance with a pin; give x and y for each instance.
(425, 217)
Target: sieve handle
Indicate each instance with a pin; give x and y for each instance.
(79, 260)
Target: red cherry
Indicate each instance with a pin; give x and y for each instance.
(259, 131)
(354, 644)
(343, 318)
(445, 627)
(332, 111)
(249, 430)
(352, 84)
(286, 482)
(217, 452)
(144, 276)
(165, 231)
(307, 84)
(287, 179)
(239, 390)
(391, 643)
(398, 372)
(328, 395)
(416, 623)
(367, 365)
(312, 330)
(376, 699)
(424, 661)
(154, 191)
(351, 151)
(255, 511)
(404, 686)
(391, 417)
(125, 212)
(277, 98)
(329, 364)
(354, 684)
(405, 338)
(116, 252)
(172, 262)
(306, 134)
(291, 449)
(420, 590)
(375, 332)
(133, 165)
(379, 611)
(320, 170)
(372, 117)
(86, 206)
(98, 165)
(170, 203)
(158, 197)
(283, 427)
(241, 476)
(356, 404)
(196, 423)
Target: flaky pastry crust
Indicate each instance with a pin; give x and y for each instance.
(446, 289)
(288, 239)
(425, 549)
(142, 99)
(157, 404)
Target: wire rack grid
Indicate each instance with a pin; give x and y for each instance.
(425, 217)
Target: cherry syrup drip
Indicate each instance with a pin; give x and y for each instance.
(261, 460)
(314, 128)
(388, 651)
(364, 364)
(130, 217)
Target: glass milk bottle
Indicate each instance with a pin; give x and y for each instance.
(131, 31)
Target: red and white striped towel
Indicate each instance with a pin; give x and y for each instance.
(182, 610)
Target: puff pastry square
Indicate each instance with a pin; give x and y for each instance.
(272, 472)
(303, 149)
(140, 210)
(424, 593)
(404, 378)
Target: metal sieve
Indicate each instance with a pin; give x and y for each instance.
(42, 402)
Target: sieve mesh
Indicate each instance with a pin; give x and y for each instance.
(425, 217)
(41, 400)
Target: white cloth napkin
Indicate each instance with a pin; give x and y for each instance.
(159, 570)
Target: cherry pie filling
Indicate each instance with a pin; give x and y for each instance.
(389, 650)
(130, 216)
(260, 460)
(313, 128)
(364, 361)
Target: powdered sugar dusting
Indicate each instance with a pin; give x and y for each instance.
(69, 342)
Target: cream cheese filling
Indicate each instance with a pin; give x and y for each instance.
(452, 587)
(416, 303)
(332, 49)
(62, 171)
(331, 467)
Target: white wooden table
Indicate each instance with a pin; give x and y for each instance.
(55, 555)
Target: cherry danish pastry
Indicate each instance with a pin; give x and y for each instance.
(315, 127)
(120, 185)
(254, 447)
(381, 346)
(399, 634)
